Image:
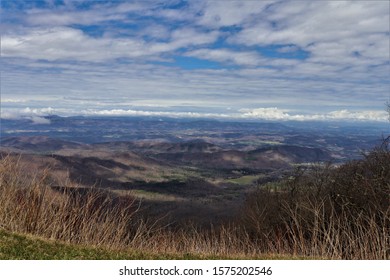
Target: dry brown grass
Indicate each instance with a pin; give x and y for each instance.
(29, 204)
(316, 215)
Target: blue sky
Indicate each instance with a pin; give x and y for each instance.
(273, 60)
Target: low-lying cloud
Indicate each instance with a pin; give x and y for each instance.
(340, 115)
(37, 116)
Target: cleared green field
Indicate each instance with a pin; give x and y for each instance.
(243, 180)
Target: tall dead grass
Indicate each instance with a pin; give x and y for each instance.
(30, 204)
(322, 214)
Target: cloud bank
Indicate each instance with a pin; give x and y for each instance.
(341, 115)
(37, 116)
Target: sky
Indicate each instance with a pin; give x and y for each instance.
(265, 60)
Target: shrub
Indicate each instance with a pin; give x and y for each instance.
(332, 212)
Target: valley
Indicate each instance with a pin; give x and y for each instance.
(189, 169)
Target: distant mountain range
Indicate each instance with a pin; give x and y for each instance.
(344, 140)
(180, 165)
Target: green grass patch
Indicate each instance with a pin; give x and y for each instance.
(260, 143)
(243, 180)
(23, 247)
(15, 246)
(149, 195)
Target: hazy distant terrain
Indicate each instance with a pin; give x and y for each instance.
(201, 163)
(344, 139)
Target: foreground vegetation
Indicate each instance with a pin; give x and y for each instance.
(14, 246)
(18, 246)
(334, 212)
(320, 212)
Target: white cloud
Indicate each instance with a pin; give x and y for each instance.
(37, 111)
(341, 115)
(154, 31)
(330, 30)
(12, 100)
(39, 120)
(287, 49)
(69, 15)
(102, 85)
(266, 113)
(229, 13)
(142, 113)
(58, 43)
(48, 60)
(64, 43)
(359, 115)
(303, 22)
(184, 37)
(227, 56)
(10, 115)
(36, 116)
